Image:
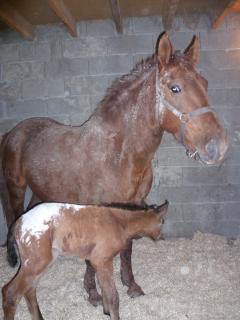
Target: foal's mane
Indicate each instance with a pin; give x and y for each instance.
(135, 207)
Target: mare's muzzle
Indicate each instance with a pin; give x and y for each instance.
(184, 119)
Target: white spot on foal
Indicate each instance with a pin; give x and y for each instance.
(36, 221)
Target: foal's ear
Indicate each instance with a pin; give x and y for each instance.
(193, 50)
(163, 209)
(164, 49)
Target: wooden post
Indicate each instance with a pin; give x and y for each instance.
(170, 9)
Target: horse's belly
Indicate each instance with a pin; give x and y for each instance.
(83, 187)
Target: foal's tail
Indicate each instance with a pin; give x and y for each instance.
(12, 256)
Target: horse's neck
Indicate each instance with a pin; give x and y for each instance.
(133, 115)
(135, 223)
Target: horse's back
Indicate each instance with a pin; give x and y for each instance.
(24, 131)
(14, 143)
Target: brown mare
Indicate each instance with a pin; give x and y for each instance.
(109, 157)
(94, 233)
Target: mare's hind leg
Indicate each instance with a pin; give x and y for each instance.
(90, 285)
(33, 201)
(16, 195)
(134, 290)
(5, 199)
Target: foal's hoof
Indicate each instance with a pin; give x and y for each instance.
(95, 299)
(135, 291)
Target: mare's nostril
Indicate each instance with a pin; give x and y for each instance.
(212, 148)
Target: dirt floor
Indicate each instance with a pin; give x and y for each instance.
(182, 279)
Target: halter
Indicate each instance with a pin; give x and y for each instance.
(182, 116)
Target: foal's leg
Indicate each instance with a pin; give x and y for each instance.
(10, 299)
(134, 290)
(12, 294)
(23, 284)
(35, 258)
(109, 291)
(90, 285)
(31, 299)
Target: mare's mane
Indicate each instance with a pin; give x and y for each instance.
(121, 85)
(115, 94)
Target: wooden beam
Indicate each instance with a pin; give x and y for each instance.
(233, 6)
(62, 11)
(14, 20)
(170, 9)
(117, 18)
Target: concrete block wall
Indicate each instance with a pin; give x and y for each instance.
(64, 78)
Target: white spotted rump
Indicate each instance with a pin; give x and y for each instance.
(36, 221)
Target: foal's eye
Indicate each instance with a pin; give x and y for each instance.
(175, 88)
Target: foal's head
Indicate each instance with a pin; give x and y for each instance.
(153, 229)
(182, 102)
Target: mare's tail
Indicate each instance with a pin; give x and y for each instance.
(4, 195)
(12, 256)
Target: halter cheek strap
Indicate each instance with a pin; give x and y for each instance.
(182, 116)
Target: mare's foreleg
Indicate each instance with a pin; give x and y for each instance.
(90, 285)
(109, 292)
(134, 290)
(126, 255)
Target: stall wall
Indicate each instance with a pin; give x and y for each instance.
(64, 78)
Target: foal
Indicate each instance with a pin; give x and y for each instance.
(94, 233)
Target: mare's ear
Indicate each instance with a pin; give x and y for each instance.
(164, 49)
(193, 50)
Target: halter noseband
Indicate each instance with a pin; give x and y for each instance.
(182, 116)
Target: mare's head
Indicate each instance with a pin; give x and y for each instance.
(182, 104)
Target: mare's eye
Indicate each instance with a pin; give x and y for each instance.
(175, 88)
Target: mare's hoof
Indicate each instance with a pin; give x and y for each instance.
(135, 291)
(107, 313)
(95, 299)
